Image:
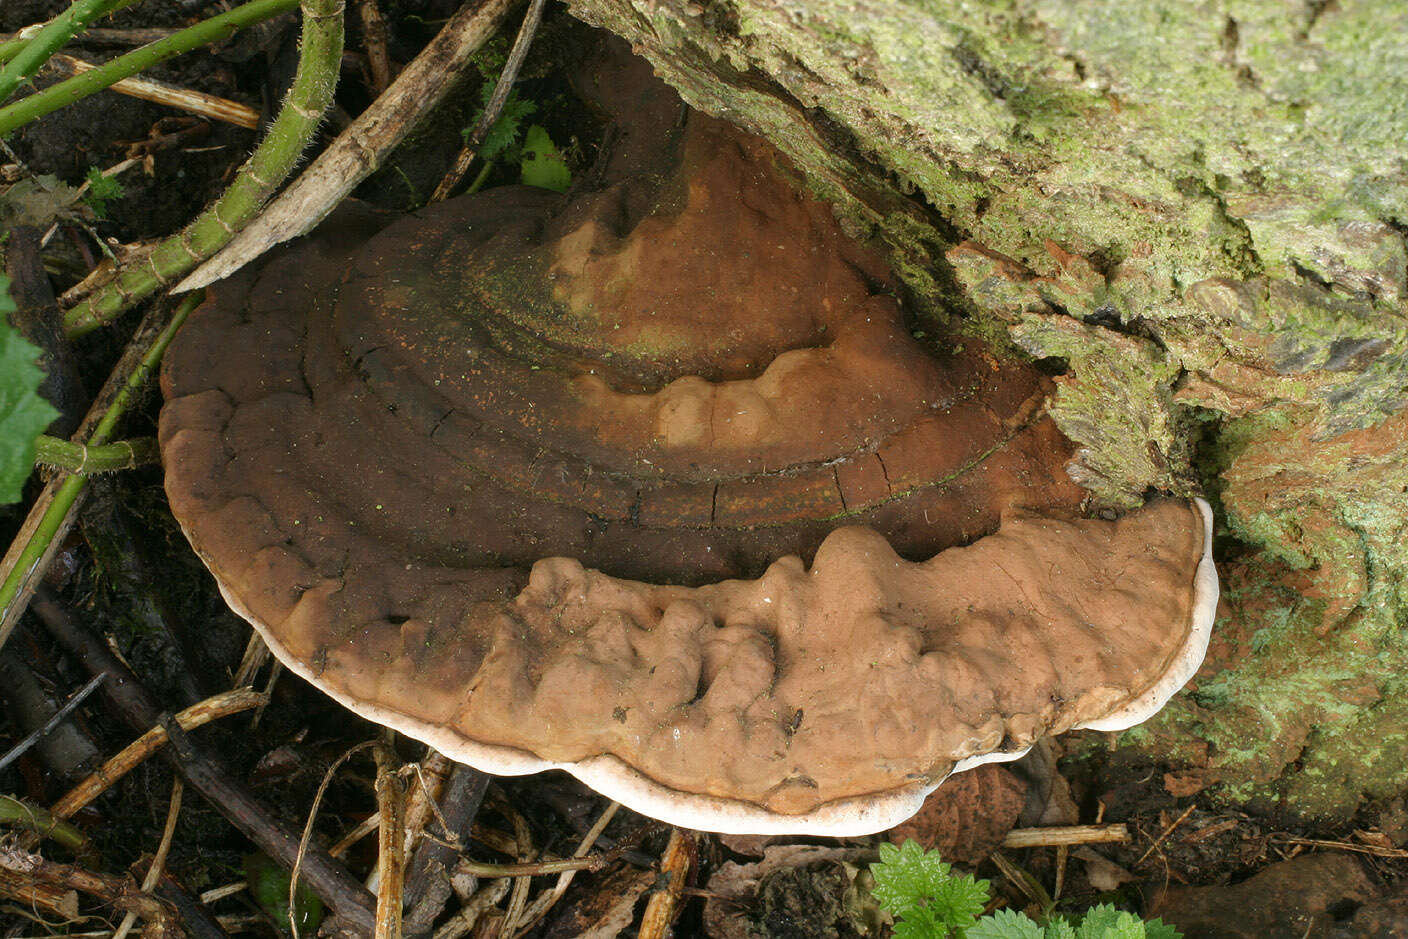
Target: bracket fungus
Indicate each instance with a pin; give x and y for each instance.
(531, 478)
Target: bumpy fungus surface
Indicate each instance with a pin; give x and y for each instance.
(531, 479)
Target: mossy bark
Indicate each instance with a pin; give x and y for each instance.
(1201, 208)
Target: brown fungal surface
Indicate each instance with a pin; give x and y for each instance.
(533, 479)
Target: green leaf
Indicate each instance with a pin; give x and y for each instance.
(1106, 922)
(913, 885)
(543, 165)
(1008, 924)
(101, 190)
(506, 127)
(23, 414)
(1158, 929)
(921, 922)
(268, 885)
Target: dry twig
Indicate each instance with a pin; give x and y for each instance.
(391, 843)
(360, 149)
(546, 901)
(497, 98)
(1168, 830)
(374, 41)
(212, 708)
(120, 892)
(134, 705)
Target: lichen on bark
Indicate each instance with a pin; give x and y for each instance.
(1200, 209)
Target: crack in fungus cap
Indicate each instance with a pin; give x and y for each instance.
(531, 478)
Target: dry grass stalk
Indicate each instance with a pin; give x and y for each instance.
(196, 102)
(362, 147)
(1064, 835)
(212, 708)
(153, 876)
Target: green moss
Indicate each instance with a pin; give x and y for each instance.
(1116, 404)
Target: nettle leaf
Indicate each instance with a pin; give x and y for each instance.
(504, 132)
(543, 164)
(23, 414)
(911, 883)
(1158, 929)
(1008, 924)
(1106, 922)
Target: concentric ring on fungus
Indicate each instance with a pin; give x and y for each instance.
(531, 479)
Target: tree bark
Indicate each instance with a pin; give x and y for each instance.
(1201, 210)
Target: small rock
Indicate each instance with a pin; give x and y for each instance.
(1289, 900)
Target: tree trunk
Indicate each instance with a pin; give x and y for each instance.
(1201, 209)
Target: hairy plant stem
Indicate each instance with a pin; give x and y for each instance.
(22, 563)
(24, 57)
(106, 458)
(276, 156)
(87, 83)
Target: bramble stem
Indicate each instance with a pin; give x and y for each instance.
(21, 565)
(81, 86)
(26, 56)
(87, 460)
(274, 159)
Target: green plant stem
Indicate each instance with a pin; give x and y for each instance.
(22, 815)
(87, 460)
(479, 180)
(275, 158)
(81, 86)
(34, 52)
(69, 490)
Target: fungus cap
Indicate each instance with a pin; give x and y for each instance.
(531, 480)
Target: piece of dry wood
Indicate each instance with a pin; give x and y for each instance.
(120, 892)
(679, 861)
(391, 843)
(374, 41)
(44, 899)
(1064, 835)
(196, 102)
(428, 882)
(360, 149)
